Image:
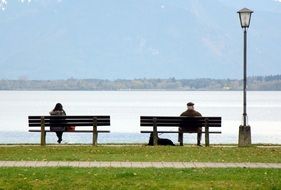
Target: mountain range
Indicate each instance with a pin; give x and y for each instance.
(128, 39)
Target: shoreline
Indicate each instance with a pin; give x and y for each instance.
(26, 138)
(257, 145)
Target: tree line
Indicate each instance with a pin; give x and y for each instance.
(267, 83)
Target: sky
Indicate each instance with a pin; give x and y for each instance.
(128, 39)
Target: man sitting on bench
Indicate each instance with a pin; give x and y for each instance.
(191, 113)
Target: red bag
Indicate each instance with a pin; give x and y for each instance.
(71, 128)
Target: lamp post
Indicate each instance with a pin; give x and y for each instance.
(244, 129)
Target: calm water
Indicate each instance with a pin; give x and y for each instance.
(125, 107)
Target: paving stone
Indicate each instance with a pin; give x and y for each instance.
(240, 165)
(200, 164)
(20, 164)
(2, 163)
(41, 164)
(52, 164)
(205, 165)
(275, 165)
(188, 164)
(115, 164)
(73, 164)
(137, 164)
(10, 163)
(30, 163)
(84, 164)
(147, 165)
(229, 165)
(178, 165)
(269, 165)
(167, 164)
(126, 164)
(94, 164)
(104, 164)
(64, 164)
(216, 165)
(251, 165)
(158, 165)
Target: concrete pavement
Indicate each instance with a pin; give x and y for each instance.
(84, 164)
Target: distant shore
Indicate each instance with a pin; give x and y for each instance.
(255, 83)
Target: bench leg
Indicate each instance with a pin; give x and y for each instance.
(95, 136)
(155, 138)
(155, 134)
(207, 142)
(181, 138)
(95, 139)
(43, 132)
(43, 138)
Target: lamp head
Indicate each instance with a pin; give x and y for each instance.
(245, 17)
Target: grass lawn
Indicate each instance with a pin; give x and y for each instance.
(141, 153)
(130, 178)
(139, 178)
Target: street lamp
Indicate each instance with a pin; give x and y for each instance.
(244, 129)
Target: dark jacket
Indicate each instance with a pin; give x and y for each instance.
(62, 112)
(191, 113)
(192, 127)
(56, 124)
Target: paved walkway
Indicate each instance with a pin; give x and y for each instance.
(136, 164)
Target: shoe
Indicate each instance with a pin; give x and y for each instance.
(59, 141)
(199, 145)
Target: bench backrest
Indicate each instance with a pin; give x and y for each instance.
(100, 120)
(175, 121)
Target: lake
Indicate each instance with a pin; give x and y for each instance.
(125, 108)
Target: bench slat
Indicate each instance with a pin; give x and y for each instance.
(71, 116)
(176, 117)
(160, 124)
(80, 124)
(213, 132)
(35, 121)
(169, 121)
(76, 131)
(68, 119)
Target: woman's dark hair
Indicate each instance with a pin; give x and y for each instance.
(58, 107)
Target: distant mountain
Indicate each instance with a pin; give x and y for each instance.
(109, 39)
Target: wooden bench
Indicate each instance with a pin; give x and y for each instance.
(169, 123)
(39, 124)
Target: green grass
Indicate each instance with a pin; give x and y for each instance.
(149, 178)
(139, 178)
(141, 153)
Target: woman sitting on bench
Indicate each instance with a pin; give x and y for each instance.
(58, 110)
